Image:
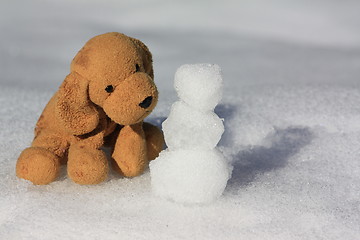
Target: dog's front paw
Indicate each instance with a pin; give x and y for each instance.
(38, 165)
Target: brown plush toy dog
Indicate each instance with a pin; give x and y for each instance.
(102, 102)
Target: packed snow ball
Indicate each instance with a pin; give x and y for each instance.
(188, 128)
(199, 85)
(190, 176)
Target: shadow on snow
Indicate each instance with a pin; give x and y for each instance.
(257, 160)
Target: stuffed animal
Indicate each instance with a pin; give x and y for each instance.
(102, 102)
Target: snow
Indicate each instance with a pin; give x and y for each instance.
(199, 85)
(191, 169)
(205, 128)
(190, 176)
(291, 106)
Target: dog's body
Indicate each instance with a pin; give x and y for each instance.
(102, 102)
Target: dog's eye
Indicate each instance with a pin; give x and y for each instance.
(137, 68)
(109, 88)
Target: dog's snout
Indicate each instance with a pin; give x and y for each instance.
(146, 103)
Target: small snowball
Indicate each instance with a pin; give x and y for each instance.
(190, 176)
(199, 85)
(187, 128)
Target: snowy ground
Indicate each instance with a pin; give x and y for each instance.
(291, 107)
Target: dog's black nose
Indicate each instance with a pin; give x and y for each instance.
(146, 103)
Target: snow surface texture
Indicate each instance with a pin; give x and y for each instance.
(192, 170)
(291, 106)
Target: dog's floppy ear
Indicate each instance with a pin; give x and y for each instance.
(146, 55)
(73, 109)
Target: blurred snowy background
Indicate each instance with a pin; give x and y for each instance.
(291, 107)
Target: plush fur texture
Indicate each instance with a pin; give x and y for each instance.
(102, 102)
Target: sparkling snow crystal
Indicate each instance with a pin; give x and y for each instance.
(192, 170)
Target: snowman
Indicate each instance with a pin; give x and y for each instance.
(192, 169)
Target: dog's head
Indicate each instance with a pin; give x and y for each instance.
(113, 72)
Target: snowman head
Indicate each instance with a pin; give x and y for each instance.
(199, 85)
